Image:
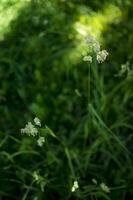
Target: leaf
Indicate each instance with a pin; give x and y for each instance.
(50, 131)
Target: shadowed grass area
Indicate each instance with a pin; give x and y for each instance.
(86, 107)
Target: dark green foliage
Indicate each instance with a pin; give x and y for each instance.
(119, 32)
(39, 77)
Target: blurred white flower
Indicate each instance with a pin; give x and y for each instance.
(37, 121)
(124, 68)
(105, 188)
(93, 43)
(101, 56)
(75, 186)
(87, 59)
(96, 47)
(41, 141)
(90, 40)
(29, 130)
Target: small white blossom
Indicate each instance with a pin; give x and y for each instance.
(75, 186)
(37, 121)
(88, 59)
(101, 56)
(41, 141)
(29, 130)
(124, 68)
(93, 43)
(105, 188)
(96, 47)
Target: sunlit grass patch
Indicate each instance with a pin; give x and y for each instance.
(9, 10)
(94, 23)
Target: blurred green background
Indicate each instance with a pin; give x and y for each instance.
(41, 70)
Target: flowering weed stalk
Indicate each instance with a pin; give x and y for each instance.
(32, 130)
(76, 165)
(95, 57)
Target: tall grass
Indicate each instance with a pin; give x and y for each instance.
(87, 148)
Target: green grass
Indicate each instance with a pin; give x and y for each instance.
(85, 109)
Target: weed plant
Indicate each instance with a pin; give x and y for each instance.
(75, 141)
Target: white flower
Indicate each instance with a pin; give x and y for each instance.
(96, 47)
(93, 43)
(105, 188)
(37, 121)
(41, 141)
(75, 186)
(101, 56)
(29, 130)
(125, 68)
(88, 59)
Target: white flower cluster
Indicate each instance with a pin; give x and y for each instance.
(88, 58)
(75, 186)
(37, 122)
(101, 56)
(31, 130)
(41, 141)
(94, 45)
